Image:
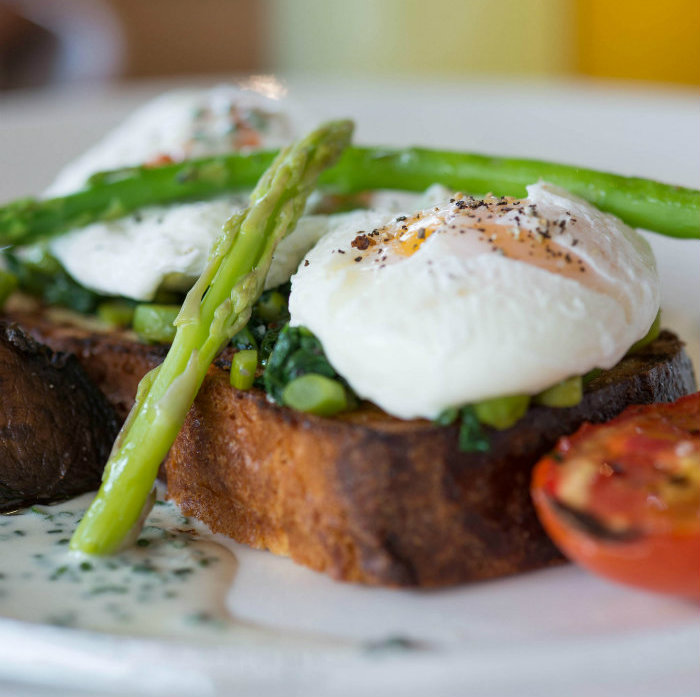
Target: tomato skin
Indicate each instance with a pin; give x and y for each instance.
(664, 553)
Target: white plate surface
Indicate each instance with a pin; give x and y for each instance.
(557, 632)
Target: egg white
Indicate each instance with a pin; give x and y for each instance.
(169, 125)
(456, 322)
(167, 246)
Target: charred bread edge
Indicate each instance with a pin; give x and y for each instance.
(56, 426)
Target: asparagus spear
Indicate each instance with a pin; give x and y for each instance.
(669, 210)
(216, 308)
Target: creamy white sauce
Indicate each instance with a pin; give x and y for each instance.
(172, 582)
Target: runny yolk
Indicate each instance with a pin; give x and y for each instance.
(529, 238)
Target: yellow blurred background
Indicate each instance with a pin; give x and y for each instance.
(44, 42)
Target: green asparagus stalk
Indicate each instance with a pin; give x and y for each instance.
(669, 210)
(216, 308)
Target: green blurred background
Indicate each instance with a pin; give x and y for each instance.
(46, 42)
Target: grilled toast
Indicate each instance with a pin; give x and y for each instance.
(363, 496)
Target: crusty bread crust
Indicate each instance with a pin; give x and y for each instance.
(56, 427)
(373, 499)
(363, 496)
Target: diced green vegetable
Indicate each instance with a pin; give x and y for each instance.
(8, 283)
(272, 306)
(650, 336)
(155, 323)
(567, 393)
(165, 296)
(117, 313)
(591, 375)
(243, 367)
(501, 412)
(315, 394)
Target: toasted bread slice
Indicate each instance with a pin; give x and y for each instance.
(363, 496)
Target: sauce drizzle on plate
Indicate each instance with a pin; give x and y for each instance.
(172, 582)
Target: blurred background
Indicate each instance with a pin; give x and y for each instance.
(50, 42)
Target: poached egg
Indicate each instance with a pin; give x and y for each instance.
(167, 246)
(476, 298)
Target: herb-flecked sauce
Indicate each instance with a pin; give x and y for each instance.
(172, 582)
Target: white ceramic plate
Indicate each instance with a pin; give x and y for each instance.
(556, 632)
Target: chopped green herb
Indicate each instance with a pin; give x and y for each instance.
(183, 572)
(42, 276)
(393, 643)
(244, 340)
(591, 375)
(58, 573)
(471, 436)
(447, 417)
(67, 619)
(101, 590)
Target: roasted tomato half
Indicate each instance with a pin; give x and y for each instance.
(623, 498)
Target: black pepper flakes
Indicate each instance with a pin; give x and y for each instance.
(362, 242)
